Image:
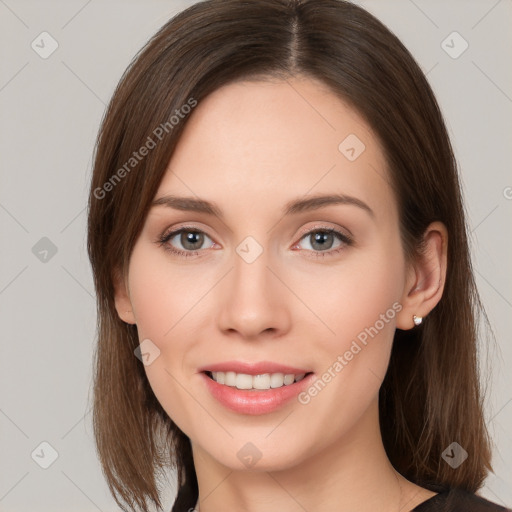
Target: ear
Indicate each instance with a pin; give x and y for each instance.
(426, 277)
(122, 297)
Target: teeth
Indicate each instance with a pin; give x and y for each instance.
(229, 378)
(263, 381)
(277, 380)
(243, 381)
(288, 379)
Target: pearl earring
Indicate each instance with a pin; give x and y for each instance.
(417, 319)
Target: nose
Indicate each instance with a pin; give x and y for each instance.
(254, 301)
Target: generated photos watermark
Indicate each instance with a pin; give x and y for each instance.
(151, 142)
(355, 348)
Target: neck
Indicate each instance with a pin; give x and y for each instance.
(352, 474)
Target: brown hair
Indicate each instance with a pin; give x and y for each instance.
(431, 394)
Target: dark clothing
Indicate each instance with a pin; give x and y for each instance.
(458, 500)
(451, 500)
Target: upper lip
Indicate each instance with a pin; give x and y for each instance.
(258, 368)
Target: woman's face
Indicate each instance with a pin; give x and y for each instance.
(265, 287)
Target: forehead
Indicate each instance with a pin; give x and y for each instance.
(254, 143)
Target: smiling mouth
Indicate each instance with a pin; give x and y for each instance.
(260, 382)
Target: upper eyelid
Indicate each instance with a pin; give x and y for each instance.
(322, 227)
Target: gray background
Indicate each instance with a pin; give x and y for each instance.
(50, 112)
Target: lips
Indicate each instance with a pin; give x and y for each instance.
(271, 386)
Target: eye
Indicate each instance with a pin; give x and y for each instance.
(190, 239)
(322, 240)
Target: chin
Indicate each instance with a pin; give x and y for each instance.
(256, 454)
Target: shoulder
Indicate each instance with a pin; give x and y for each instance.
(458, 500)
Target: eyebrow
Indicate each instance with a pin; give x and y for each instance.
(193, 204)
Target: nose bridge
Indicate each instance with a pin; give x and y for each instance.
(251, 259)
(253, 300)
(251, 273)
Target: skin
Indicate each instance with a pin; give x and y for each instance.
(251, 147)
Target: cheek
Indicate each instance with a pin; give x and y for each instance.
(167, 306)
(356, 305)
(162, 295)
(349, 298)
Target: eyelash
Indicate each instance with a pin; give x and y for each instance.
(347, 241)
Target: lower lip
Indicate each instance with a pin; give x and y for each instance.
(255, 402)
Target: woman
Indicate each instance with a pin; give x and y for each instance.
(286, 308)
